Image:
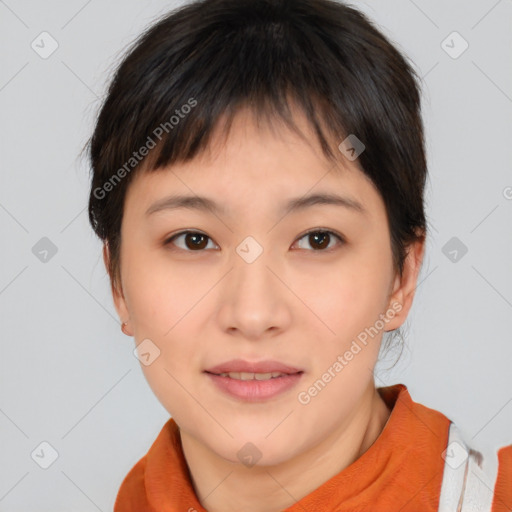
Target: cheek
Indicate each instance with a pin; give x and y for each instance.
(350, 297)
(167, 312)
(162, 293)
(164, 309)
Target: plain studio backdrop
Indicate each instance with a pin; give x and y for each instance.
(72, 394)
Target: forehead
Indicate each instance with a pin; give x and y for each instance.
(257, 165)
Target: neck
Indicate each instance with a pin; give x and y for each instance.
(222, 486)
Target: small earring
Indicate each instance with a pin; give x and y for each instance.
(123, 327)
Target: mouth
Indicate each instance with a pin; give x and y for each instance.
(253, 386)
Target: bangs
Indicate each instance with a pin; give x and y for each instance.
(262, 63)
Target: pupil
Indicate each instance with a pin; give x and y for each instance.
(322, 236)
(195, 237)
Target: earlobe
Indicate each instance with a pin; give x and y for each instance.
(124, 328)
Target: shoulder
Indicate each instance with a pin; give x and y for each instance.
(132, 494)
(475, 479)
(471, 478)
(138, 491)
(503, 486)
(412, 420)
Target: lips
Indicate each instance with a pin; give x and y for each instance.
(242, 366)
(254, 381)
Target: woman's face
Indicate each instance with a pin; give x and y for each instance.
(252, 285)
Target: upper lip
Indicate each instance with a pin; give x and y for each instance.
(240, 365)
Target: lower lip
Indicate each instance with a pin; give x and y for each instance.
(255, 390)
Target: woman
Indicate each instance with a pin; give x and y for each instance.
(258, 180)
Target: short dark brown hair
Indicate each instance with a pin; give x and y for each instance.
(209, 58)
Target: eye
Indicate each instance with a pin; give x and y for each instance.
(320, 239)
(194, 240)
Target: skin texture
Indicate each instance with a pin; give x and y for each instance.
(294, 303)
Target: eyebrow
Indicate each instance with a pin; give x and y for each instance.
(206, 204)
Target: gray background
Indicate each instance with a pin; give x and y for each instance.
(68, 374)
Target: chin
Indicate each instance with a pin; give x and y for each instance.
(254, 452)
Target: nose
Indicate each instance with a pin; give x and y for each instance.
(255, 303)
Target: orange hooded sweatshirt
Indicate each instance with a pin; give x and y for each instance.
(401, 471)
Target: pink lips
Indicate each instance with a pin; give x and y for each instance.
(254, 390)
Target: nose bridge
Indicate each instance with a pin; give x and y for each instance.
(253, 302)
(250, 271)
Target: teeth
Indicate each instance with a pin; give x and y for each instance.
(251, 376)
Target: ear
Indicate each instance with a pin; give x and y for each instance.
(404, 287)
(116, 289)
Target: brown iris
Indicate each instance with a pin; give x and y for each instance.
(320, 238)
(197, 240)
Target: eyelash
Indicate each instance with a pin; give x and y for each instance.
(340, 238)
